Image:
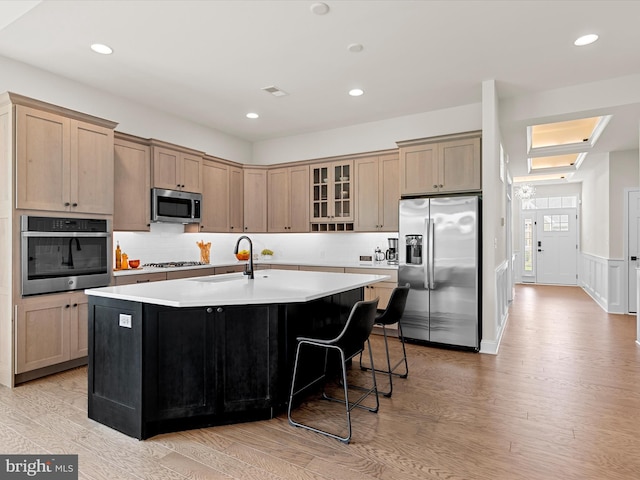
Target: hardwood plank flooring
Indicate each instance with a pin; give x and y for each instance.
(561, 400)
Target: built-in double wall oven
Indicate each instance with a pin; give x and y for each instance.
(62, 254)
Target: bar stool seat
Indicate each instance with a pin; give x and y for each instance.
(392, 314)
(348, 343)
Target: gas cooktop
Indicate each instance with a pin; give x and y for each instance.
(173, 264)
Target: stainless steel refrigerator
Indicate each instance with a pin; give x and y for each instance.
(439, 256)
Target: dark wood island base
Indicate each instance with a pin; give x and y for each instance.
(156, 369)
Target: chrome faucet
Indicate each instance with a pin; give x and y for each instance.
(235, 251)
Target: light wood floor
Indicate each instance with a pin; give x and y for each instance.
(560, 401)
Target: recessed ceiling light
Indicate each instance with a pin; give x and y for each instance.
(252, 115)
(355, 48)
(102, 48)
(320, 8)
(356, 92)
(586, 40)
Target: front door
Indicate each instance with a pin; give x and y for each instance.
(634, 247)
(556, 246)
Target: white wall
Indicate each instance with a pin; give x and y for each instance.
(493, 210)
(368, 137)
(594, 238)
(132, 118)
(624, 172)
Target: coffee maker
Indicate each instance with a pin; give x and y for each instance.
(392, 252)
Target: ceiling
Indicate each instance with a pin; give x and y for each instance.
(207, 61)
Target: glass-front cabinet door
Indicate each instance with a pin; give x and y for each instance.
(320, 191)
(332, 192)
(342, 198)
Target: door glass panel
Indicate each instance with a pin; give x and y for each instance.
(528, 245)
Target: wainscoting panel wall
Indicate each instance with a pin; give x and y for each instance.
(604, 280)
(502, 301)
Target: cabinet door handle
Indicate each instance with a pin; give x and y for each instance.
(219, 310)
(435, 186)
(142, 281)
(75, 305)
(74, 205)
(441, 185)
(67, 306)
(66, 204)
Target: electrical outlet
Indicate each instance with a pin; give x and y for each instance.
(125, 321)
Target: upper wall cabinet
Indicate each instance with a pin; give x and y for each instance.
(176, 168)
(377, 193)
(221, 197)
(332, 196)
(132, 204)
(255, 200)
(288, 199)
(236, 199)
(63, 164)
(440, 165)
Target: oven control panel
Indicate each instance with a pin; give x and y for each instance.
(56, 224)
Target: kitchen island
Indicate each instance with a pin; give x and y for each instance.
(203, 351)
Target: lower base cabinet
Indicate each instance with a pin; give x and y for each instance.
(50, 329)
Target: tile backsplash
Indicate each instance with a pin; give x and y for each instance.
(168, 242)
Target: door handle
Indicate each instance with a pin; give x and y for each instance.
(634, 258)
(540, 250)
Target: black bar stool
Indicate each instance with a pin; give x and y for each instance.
(349, 343)
(390, 315)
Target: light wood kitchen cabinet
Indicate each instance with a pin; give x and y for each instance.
(315, 268)
(284, 267)
(58, 160)
(132, 172)
(222, 188)
(191, 273)
(229, 269)
(215, 197)
(236, 199)
(377, 193)
(78, 326)
(255, 200)
(332, 196)
(50, 329)
(440, 165)
(288, 197)
(382, 290)
(176, 169)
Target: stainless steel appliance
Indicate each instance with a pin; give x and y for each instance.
(392, 252)
(172, 206)
(441, 262)
(60, 254)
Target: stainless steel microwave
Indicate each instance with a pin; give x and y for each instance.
(172, 206)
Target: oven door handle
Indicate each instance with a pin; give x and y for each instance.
(67, 234)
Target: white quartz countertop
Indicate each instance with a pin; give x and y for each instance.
(269, 286)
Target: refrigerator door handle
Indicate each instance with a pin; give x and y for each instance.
(427, 257)
(432, 255)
